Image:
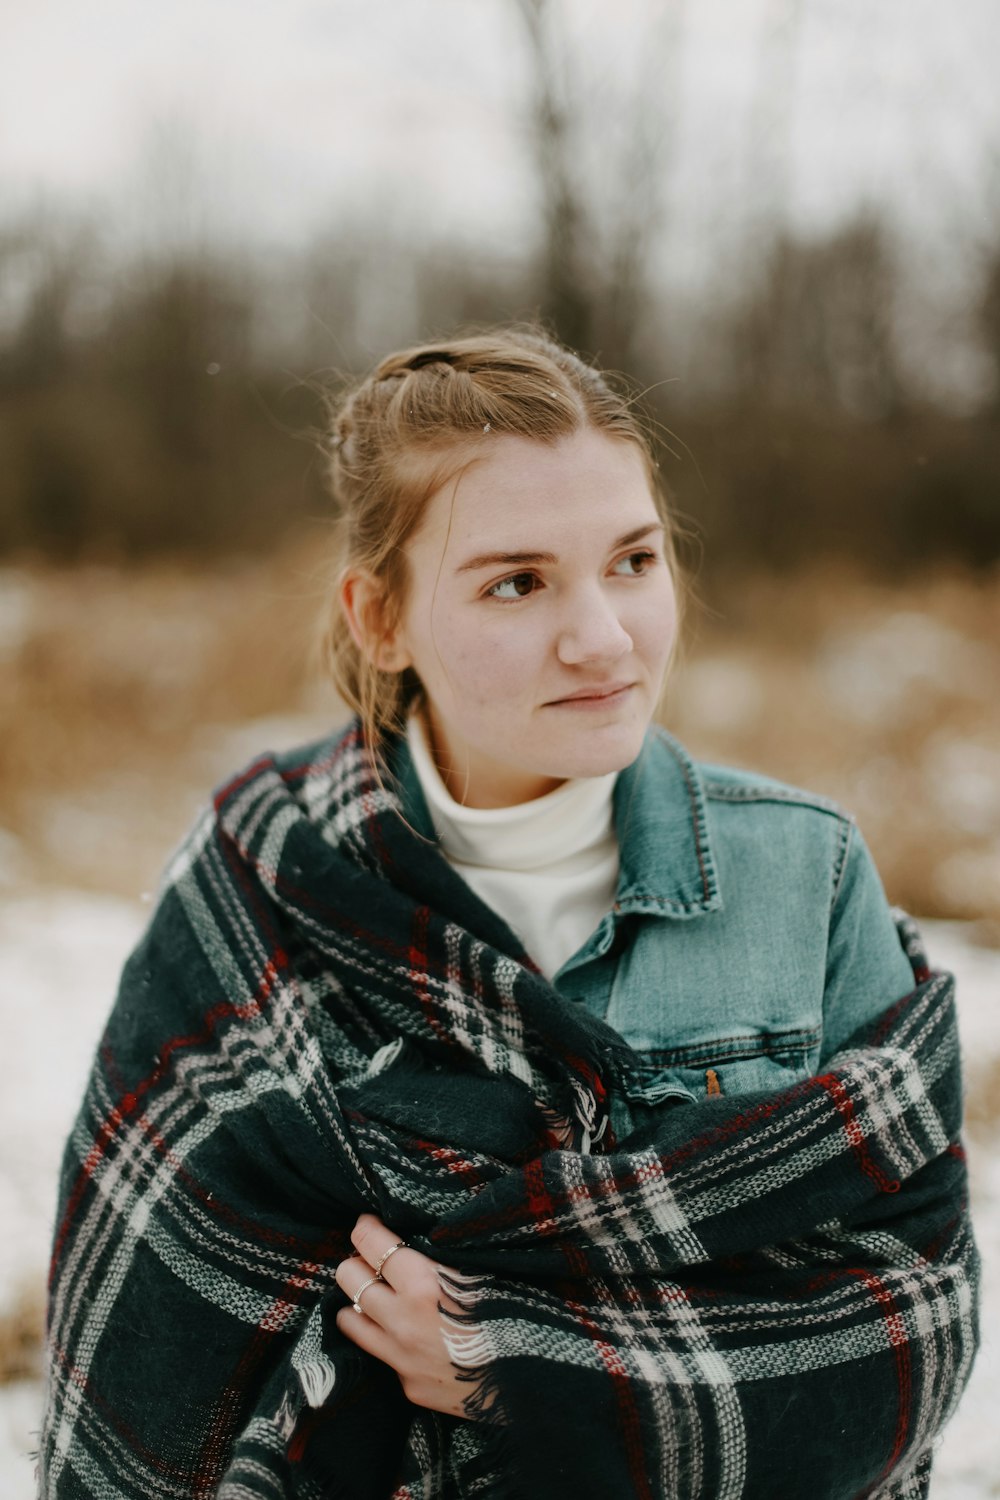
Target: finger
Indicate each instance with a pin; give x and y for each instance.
(369, 1233)
(365, 1334)
(375, 1241)
(376, 1297)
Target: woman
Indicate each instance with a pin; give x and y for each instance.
(499, 1102)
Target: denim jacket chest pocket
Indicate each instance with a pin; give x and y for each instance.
(761, 1061)
(706, 1012)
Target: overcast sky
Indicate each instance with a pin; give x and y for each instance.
(264, 119)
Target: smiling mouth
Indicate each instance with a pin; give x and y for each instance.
(595, 695)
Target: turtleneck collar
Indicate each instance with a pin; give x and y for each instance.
(573, 820)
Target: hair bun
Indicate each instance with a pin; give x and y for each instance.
(427, 357)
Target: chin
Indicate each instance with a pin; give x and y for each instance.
(598, 755)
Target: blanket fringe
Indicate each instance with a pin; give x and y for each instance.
(468, 1348)
(464, 1287)
(467, 1344)
(316, 1377)
(558, 1129)
(472, 1353)
(384, 1057)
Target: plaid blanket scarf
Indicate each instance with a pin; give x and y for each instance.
(764, 1295)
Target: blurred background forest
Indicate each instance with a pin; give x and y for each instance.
(833, 377)
(782, 220)
(780, 217)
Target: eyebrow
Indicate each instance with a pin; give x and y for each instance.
(522, 559)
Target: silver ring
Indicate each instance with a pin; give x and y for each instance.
(363, 1288)
(399, 1245)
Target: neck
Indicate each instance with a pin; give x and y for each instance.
(492, 786)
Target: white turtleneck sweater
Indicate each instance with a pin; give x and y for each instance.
(549, 867)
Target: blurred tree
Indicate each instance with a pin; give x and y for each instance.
(43, 268)
(817, 330)
(603, 168)
(567, 280)
(770, 131)
(174, 323)
(989, 322)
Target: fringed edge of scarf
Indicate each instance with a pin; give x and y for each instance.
(473, 1355)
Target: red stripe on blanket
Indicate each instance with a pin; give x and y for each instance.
(451, 1159)
(899, 1340)
(225, 792)
(542, 1209)
(350, 741)
(538, 1199)
(232, 1217)
(418, 974)
(128, 1105)
(844, 1106)
(124, 1430)
(628, 1413)
(229, 1410)
(589, 1076)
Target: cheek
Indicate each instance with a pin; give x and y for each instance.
(467, 662)
(657, 627)
(653, 629)
(488, 668)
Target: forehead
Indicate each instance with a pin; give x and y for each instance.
(522, 491)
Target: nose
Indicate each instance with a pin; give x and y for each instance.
(590, 631)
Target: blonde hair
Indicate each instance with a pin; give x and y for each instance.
(406, 429)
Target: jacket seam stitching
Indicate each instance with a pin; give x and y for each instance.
(637, 894)
(696, 819)
(840, 860)
(719, 792)
(729, 1050)
(777, 1039)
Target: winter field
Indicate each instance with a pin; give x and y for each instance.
(130, 696)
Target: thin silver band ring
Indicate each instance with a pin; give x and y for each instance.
(363, 1288)
(399, 1245)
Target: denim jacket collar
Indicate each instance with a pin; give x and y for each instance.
(667, 866)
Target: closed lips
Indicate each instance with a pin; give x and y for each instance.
(595, 693)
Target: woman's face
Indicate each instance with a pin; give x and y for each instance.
(540, 615)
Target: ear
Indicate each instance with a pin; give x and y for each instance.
(362, 598)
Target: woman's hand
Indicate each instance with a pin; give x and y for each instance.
(400, 1323)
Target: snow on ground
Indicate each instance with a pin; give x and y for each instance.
(61, 952)
(968, 1463)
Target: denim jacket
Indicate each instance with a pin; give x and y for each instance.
(749, 936)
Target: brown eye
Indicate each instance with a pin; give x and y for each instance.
(635, 563)
(517, 586)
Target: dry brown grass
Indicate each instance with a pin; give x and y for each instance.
(117, 686)
(22, 1328)
(982, 1102)
(883, 697)
(113, 685)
